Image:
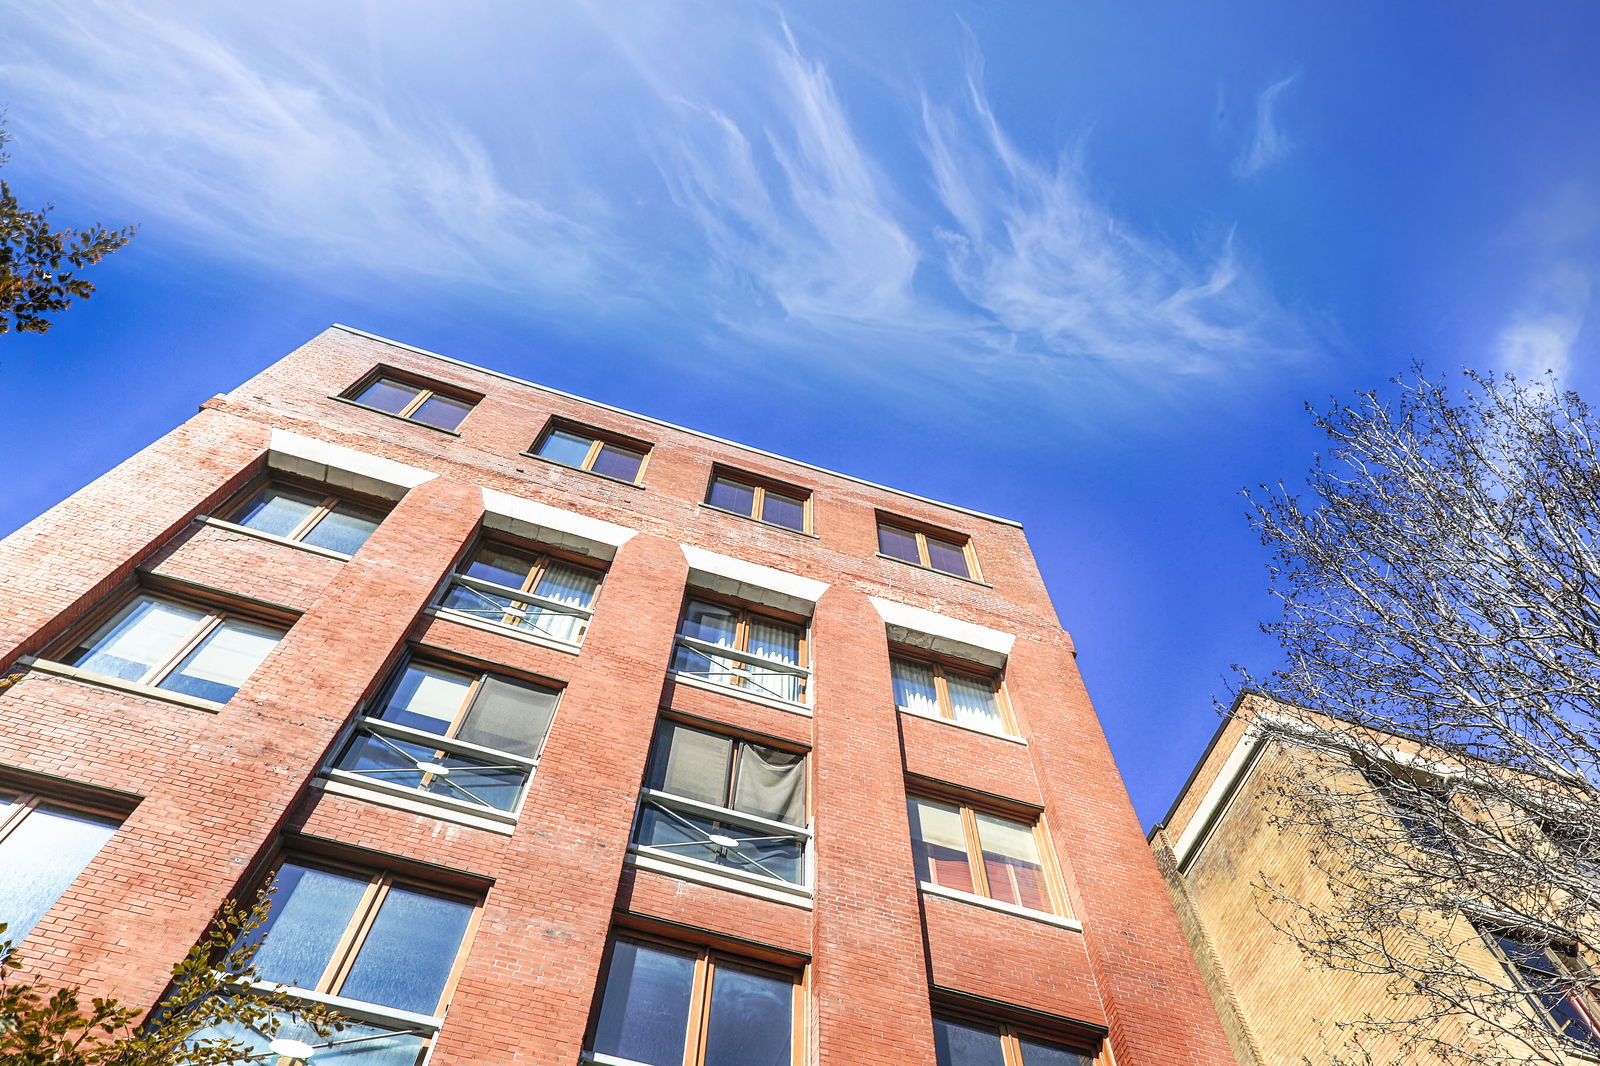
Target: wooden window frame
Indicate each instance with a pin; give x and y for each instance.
(540, 559)
(217, 611)
(741, 644)
(1012, 1033)
(760, 486)
(942, 666)
(426, 388)
(598, 439)
(706, 961)
(970, 807)
(922, 532)
(330, 501)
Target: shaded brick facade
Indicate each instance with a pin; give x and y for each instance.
(214, 792)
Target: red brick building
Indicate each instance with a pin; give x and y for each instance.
(571, 736)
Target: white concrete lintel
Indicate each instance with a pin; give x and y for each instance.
(341, 467)
(919, 628)
(752, 582)
(552, 526)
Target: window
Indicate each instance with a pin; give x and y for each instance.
(1546, 972)
(587, 449)
(763, 501)
(751, 652)
(961, 1043)
(43, 848)
(1419, 802)
(524, 590)
(666, 1005)
(934, 690)
(383, 951)
(947, 553)
(308, 517)
(962, 849)
(427, 403)
(723, 802)
(182, 647)
(467, 738)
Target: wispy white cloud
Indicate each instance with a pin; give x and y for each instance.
(1561, 237)
(1268, 143)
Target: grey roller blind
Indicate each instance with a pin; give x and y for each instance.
(691, 763)
(509, 716)
(771, 784)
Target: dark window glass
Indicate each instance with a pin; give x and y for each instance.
(43, 849)
(947, 557)
(617, 462)
(406, 957)
(586, 451)
(751, 1019)
(1037, 1053)
(1567, 1007)
(644, 1015)
(387, 395)
(898, 544)
(955, 1044)
(564, 447)
(441, 411)
(416, 402)
(783, 510)
(733, 496)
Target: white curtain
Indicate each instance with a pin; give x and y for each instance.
(568, 585)
(913, 687)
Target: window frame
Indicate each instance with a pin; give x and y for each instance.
(700, 869)
(760, 487)
(706, 960)
(1012, 1033)
(921, 531)
(598, 439)
(331, 499)
(970, 807)
(427, 389)
(1582, 999)
(347, 947)
(941, 666)
(24, 799)
(217, 609)
(541, 559)
(745, 611)
(365, 722)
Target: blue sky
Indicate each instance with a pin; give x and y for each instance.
(1077, 263)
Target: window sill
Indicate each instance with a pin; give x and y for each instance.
(1007, 737)
(931, 570)
(49, 666)
(581, 470)
(680, 678)
(760, 521)
(398, 418)
(339, 783)
(505, 631)
(718, 877)
(1044, 917)
(233, 527)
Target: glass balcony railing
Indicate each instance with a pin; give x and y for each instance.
(397, 759)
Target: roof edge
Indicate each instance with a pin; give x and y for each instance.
(674, 426)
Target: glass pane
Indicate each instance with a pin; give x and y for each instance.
(1037, 1053)
(146, 632)
(938, 845)
(1011, 862)
(509, 716)
(344, 529)
(914, 690)
(357, 1044)
(955, 1044)
(483, 781)
(388, 395)
(571, 585)
(694, 836)
(948, 557)
(775, 640)
(426, 697)
(710, 623)
(618, 462)
(222, 662)
(409, 952)
(973, 702)
(278, 510)
(691, 762)
(732, 496)
(43, 855)
(784, 510)
(771, 784)
(442, 411)
(563, 447)
(644, 1015)
(752, 1018)
(310, 912)
(898, 544)
(502, 567)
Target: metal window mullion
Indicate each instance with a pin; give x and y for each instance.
(158, 673)
(344, 955)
